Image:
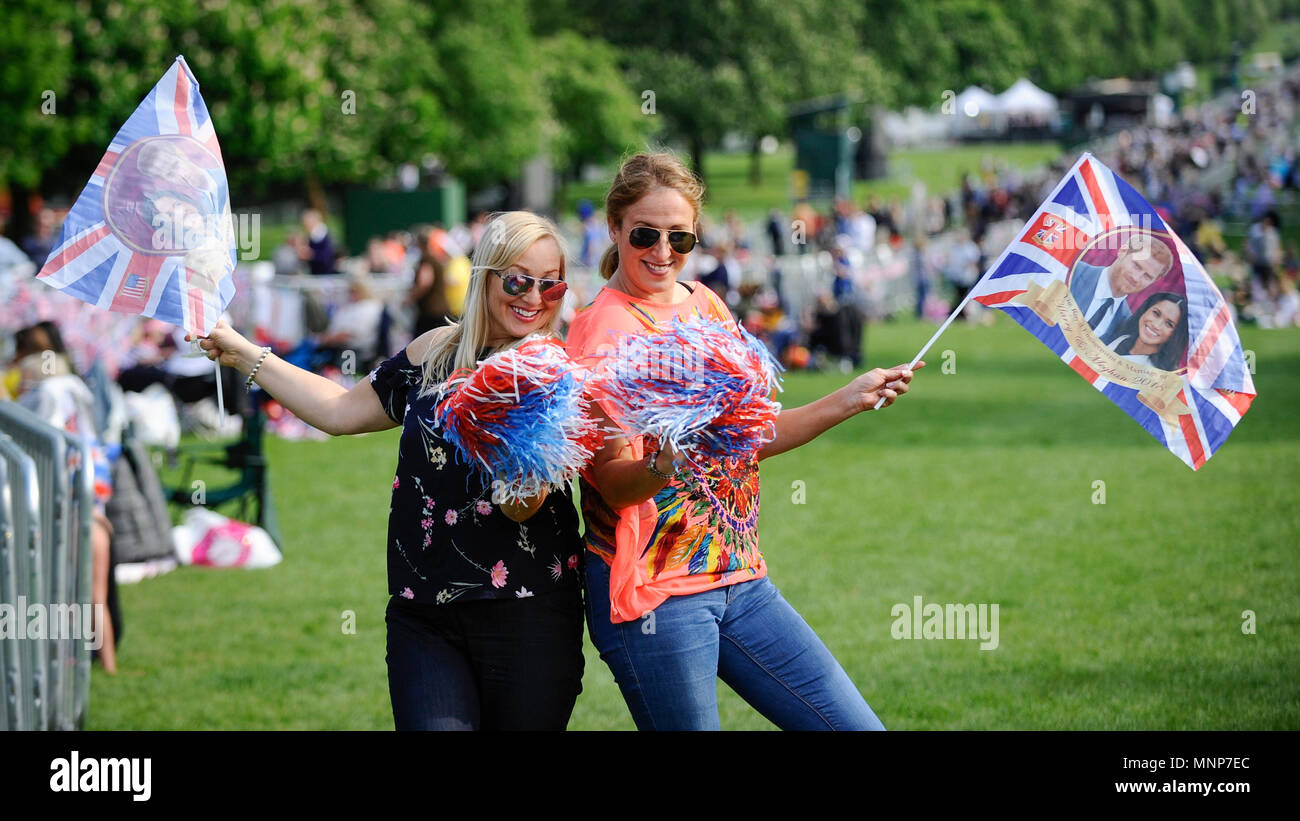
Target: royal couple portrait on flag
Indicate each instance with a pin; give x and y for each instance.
(1099, 278)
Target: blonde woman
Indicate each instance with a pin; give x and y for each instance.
(485, 615)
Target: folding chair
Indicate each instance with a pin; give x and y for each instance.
(245, 455)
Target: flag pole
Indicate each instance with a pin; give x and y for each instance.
(221, 401)
(1084, 156)
(936, 336)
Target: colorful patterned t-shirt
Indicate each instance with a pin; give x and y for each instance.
(695, 534)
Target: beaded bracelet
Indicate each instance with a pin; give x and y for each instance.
(248, 383)
(679, 472)
(651, 458)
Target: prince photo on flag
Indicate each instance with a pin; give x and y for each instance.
(1100, 279)
(151, 233)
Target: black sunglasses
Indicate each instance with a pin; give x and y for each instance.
(642, 237)
(517, 284)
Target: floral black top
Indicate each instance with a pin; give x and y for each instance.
(446, 539)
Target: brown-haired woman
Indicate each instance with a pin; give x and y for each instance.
(677, 590)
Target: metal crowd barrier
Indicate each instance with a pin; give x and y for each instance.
(879, 288)
(25, 670)
(51, 482)
(10, 676)
(76, 656)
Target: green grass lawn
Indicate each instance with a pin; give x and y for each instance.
(977, 488)
(729, 187)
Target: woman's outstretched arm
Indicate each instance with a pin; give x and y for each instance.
(313, 399)
(798, 426)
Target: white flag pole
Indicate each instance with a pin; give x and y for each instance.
(936, 336)
(996, 263)
(221, 401)
(195, 350)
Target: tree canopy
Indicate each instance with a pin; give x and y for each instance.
(340, 91)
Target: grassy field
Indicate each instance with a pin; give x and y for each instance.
(940, 170)
(977, 488)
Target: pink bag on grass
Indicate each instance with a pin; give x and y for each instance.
(209, 539)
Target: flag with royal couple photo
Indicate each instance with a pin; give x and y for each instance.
(152, 233)
(1100, 279)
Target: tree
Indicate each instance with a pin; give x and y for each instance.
(731, 66)
(273, 74)
(340, 91)
(37, 55)
(489, 87)
(594, 114)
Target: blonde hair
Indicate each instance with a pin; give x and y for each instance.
(508, 237)
(638, 176)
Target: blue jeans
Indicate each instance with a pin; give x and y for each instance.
(667, 663)
(510, 664)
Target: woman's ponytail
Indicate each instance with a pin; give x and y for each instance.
(608, 262)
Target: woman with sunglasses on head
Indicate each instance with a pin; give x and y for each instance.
(485, 615)
(677, 590)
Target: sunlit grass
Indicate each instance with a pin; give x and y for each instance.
(979, 487)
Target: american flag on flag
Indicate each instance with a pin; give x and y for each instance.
(135, 286)
(1103, 282)
(152, 233)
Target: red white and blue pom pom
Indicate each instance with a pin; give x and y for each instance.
(522, 418)
(696, 386)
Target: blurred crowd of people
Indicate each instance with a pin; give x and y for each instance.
(1223, 175)
(1222, 167)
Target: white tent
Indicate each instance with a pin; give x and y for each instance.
(915, 126)
(1024, 98)
(975, 101)
(978, 113)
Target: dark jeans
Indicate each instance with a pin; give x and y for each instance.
(512, 664)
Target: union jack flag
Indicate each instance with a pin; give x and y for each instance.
(1103, 282)
(152, 233)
